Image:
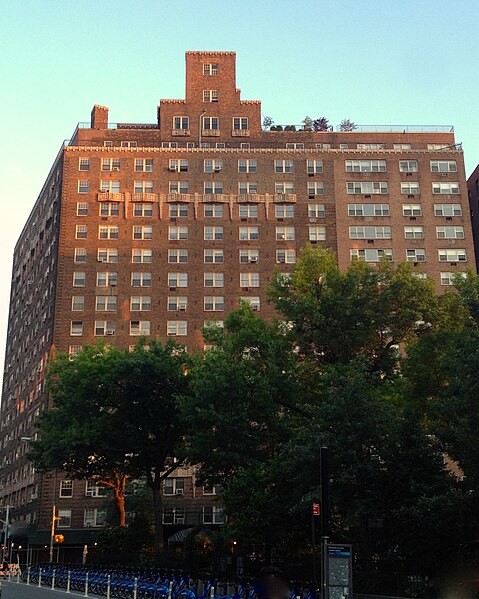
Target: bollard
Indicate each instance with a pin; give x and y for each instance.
(135, 588)
(18, 575)
(108, 587)
(86, 585)
(170, 589)
(28, 575)
(40, 577)
(68, 581)
(53, 578)
(212, 592)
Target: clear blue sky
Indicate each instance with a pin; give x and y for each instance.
(374, 61)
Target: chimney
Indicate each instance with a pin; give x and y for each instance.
(99, 117)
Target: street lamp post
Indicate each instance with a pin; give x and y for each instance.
(6, 524)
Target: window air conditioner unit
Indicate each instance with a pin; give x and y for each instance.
(443, 174)
(408, 174)
(180, 492)
(115, 168)
(113, 284)
(253, 259)
(182, 307)
(282, 260)
(448, 217)
(172, 169)
(110, 332)
(310, 174)
(255, 307)
(218, 169)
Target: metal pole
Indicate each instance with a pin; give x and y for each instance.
(68, 581)
(86, 585)
(7, 521)
(170, 590)
(52, 533)
(53, 578)
(28, 575)
(313, 542)
(324, 474)
(40, 577)
(108, 582)
(135, 588)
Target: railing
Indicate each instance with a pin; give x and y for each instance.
(369, 129)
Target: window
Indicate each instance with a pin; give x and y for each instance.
(104, 327)
(64, 518)
(213, 515)
(220, 145)
(249, 279)
(213, 187)
(213, 490)
(212, 303)
(314, 166)
(445, 188)
(248, 256)
(82, 208)
(369, 232)
(83, 186)
(368, 209)
(174, 486)
(142, 232)
(110, 186)
(211, 122)
(141, 279)
(106, 279)
(213, 210)
(105, 303)
(248, 210)
(413, 232)
(94, 517)
(66, 488)
(140, 256)
(109, 209)
(143, 165)
(284, 210)
(447, 278)
(142, 209)
(214, 323)
(80, 255)
(177, 303)
(240, 123)
(128, 144)
(81, 231)
(293, 146)
(416, 255)
(175, 515)
(139, 328)
(367, 187)
(247, 166)
(178, 166)
(181, 122)
(401, 146)
(107, 255)
(315, 188)
(74, 350)
(411, 210)
(78, 303)
(177, 256)
(178, 186)
(213, 256)
(247, 187)
(178, 210)
(371, 255)
(284, 187)
(92, 489)
(285, 234)
(447, 209)
(107, 232)
(176, 233)
(110, 164)
(84, 164)
(210, 68)
(244, 146)
(283, 166)
(254, 302)
(285, 256)
(178, 279)
(370, 146)
(408, 166)
(213, 279)
(177, 327)
(452, 255)
(323, 146)
(210, 95)
(248, 233)
(365, 166)
(410, 188)
(316, 210)
(78, 279)
(442, 146)
(213, 233)
(450, 232)
(317, 233)
(143, 186)
(169, 144)
(76, 328)
(443, 166)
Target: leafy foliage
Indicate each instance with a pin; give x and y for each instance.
(347, 125)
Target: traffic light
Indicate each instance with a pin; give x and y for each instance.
(59, 538)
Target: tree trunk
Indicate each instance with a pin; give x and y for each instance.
(117, 483)
(158, 516)
(120, 505)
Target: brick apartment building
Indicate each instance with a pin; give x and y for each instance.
(153, 229)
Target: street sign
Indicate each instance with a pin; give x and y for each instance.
(339, 571)
(316, 509)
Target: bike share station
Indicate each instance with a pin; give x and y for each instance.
(336, 559)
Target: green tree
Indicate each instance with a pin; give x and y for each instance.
(115, 415)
